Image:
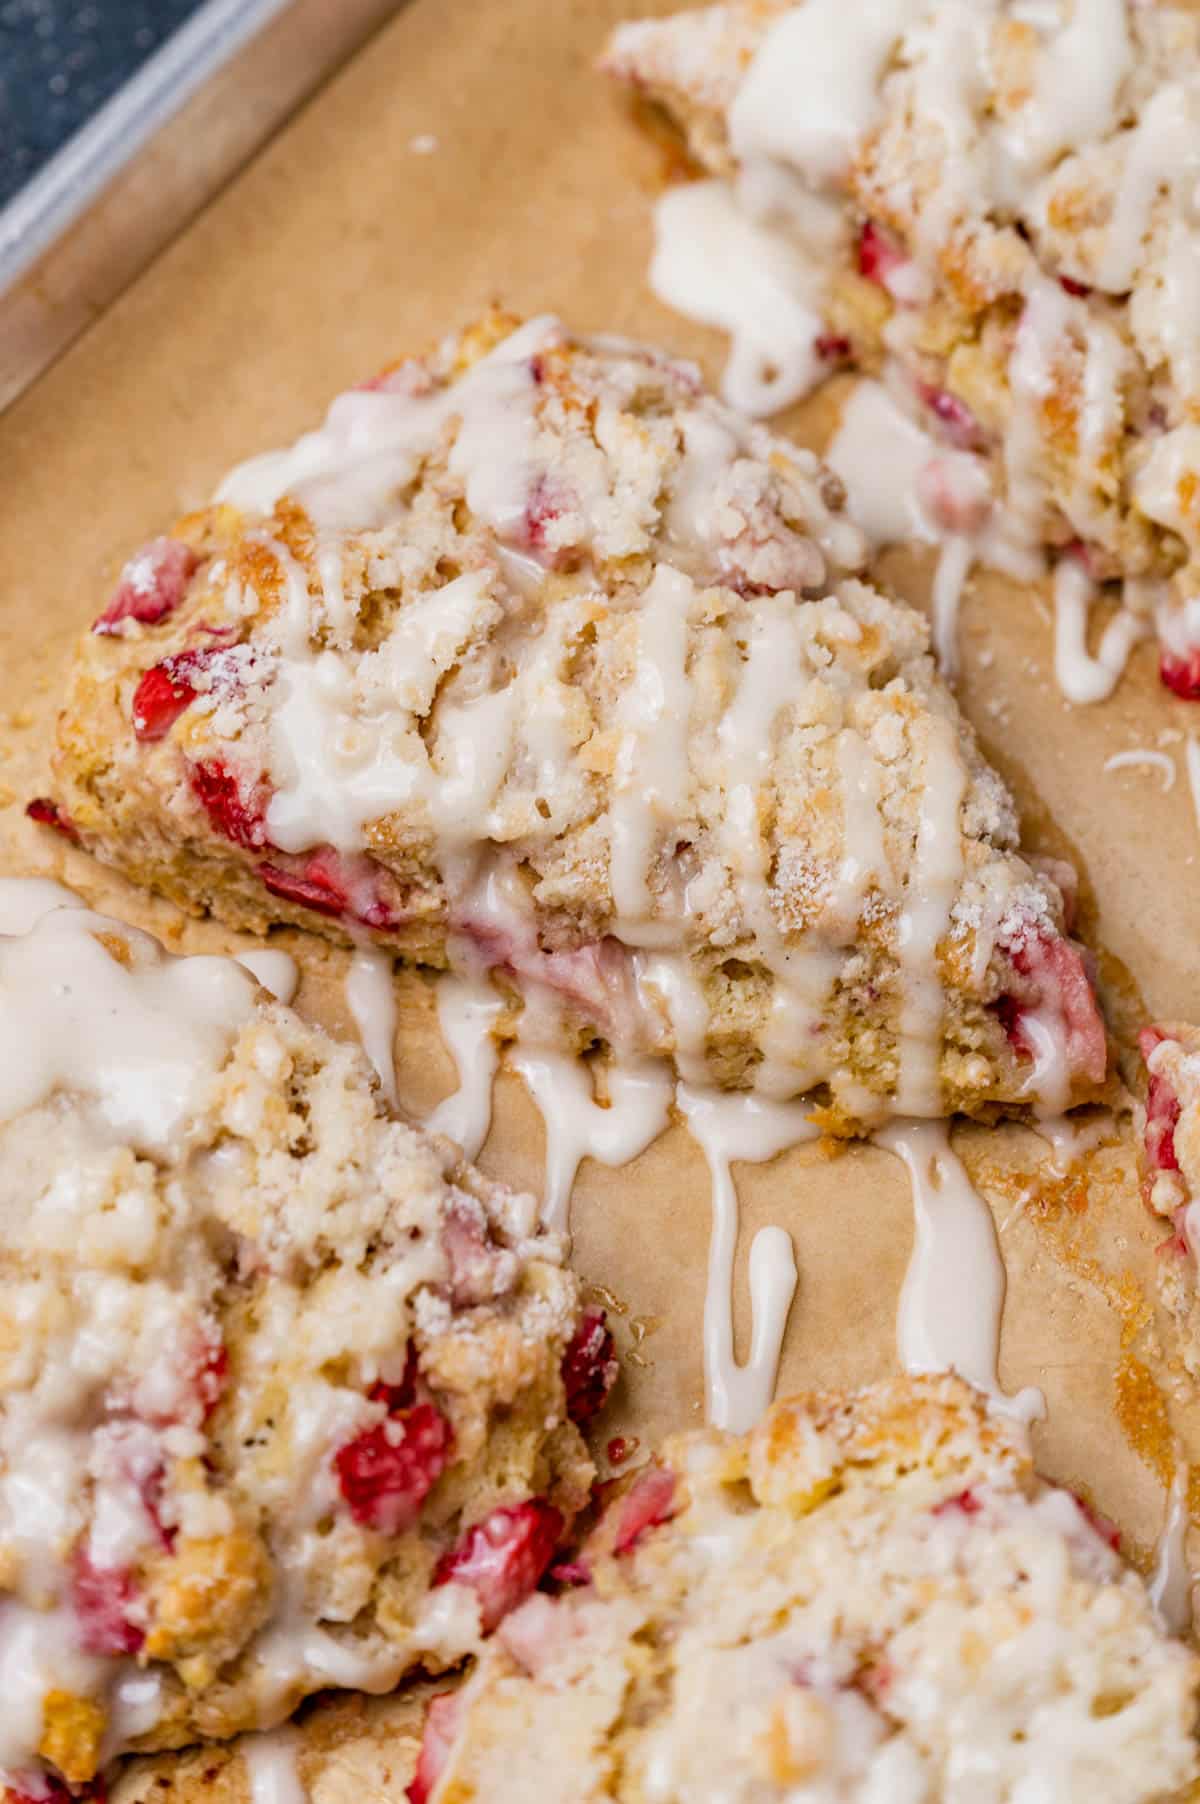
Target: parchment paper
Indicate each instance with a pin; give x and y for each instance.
(343, 246)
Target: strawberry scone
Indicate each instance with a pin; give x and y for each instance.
(991, 204)
(286, 1387)
(537, 661)
(872, 1597)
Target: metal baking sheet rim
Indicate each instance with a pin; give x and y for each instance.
(47, 294)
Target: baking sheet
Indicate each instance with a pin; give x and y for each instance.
(349, 241)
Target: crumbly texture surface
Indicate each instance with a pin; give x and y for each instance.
(341, 1750)
(1018, 252)
(872, 1596)
(282, 1392)
(537, 660)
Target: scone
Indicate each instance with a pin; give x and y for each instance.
(993, 203)
(870, 1598)
(538, 661)
(286, 1387)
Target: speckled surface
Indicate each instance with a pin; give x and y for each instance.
(62, 59)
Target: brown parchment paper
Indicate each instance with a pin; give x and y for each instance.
(342, 246)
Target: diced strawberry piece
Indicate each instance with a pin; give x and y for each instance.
(152, 585)
(101, 1597)
(163, 694)
(48, 1788)
(549, 500)
(238, 815)
(1062, 989)
(334, 884)
(1162, 1109)
(480, 1271)
(621, 1448)
(441, 1724)
(47, 813)
(316, 892)
(570, 1572)
(1181, 675)
(1178, 1244)
(589, 1367)
(503, 1557)
(958, 423)
(386, 1473)
(966, 1503)
(879, 255)
(649, 1501)
(831, 347)
(1072, 286)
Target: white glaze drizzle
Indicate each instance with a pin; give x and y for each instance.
(1081, 677)
(717, 265)
(1171, 1581)
(371, 999)
(1142, 757)
(277, 971)
(729, 1126)
(138, 1037)
(24, 901)
(1072, 1139)
(932, 886)
(650, 785)
(273, 1769)
(953, 1294)
(468, 1010)
(578, 1127)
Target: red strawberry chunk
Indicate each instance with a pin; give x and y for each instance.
(480, 1271)
(1162, 1109)
(441, 1723)
(549, 500)
(649, 1501)
(831, 347)
(965, 1503)
(1181, 674)
(1072, 286)
(958, 423)
(503, 1557)
(879, 255)
(589, 1367)
(163, 694)
(316, 891)
(152, 585)
(48, 1788)
(333, 884)
(48, 814)
(101, 1597)
(236, 813)
(386, 1473)
(1062, 990)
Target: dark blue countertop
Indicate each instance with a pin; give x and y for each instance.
(60, 60)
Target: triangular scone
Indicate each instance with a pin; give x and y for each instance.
(537, 660)
(998, 201)
(287, 1388)
(870, 1598)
